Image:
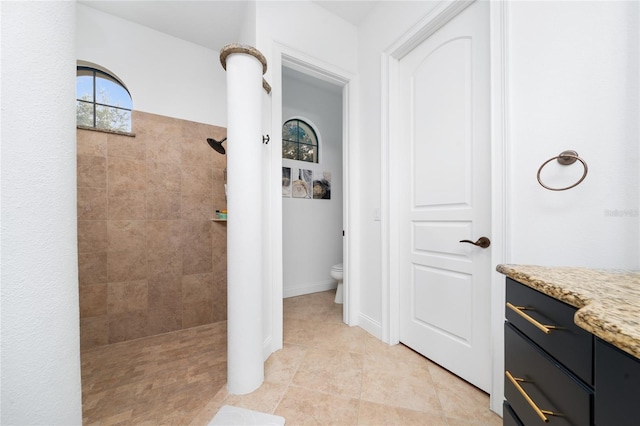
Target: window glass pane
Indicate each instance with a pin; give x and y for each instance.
(290, 150)
(301, 133)
(306, 134)
(307, 153)
(110, 92)
(84, 85)
(84, 114)
(289, 131)
(113, 118)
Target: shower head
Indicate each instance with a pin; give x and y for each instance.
(216, 145)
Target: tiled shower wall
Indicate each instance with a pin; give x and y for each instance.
(150, 258)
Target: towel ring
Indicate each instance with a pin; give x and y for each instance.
(565, 158)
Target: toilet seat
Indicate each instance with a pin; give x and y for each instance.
(337, 267)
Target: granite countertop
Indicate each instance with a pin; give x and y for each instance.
(608, 301)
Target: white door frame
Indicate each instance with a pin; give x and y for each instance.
(299, 61)
(435, 19)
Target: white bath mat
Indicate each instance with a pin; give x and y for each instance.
(234, 416)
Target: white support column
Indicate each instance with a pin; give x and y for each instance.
(245, 367)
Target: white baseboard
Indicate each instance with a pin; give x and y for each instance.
(309, 288)
(370, 325)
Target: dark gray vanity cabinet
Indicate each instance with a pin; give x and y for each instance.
(617, 377)
(548, 361)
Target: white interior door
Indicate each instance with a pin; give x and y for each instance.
(445, 111)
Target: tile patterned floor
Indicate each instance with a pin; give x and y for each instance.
(327, 373)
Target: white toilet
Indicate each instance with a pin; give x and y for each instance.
(336, 274)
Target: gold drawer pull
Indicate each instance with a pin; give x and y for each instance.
(518, 310)
(541, 413)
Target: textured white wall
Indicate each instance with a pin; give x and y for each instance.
(574, 84)
(312, 229)
(165, 75)
(40, 376)
(308, 28)
(382, 28)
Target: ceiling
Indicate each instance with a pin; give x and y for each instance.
(211, 24)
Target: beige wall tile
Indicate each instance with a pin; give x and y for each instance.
(164, 148)
(127, 297)
(127, 235)
(127, 174)
(166, 263)
(126, 265)
(197, 249)
(196, 149)
(144, 210)
(126, 147)
(197, 179)
(220, 297)
(196, 313)
(164, 177)
(219, 260)
(92, 235)
(163, 205)
(93, 300)
(127, 326)
(91, 171)
(90, 142)
(165, 304)
(94, 332)
(92, 268)
(197, 288)
(197, 206)
(92, 203)
(124, 204)
(163, 236)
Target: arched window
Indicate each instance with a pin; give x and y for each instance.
(102, 101)
(299, 141)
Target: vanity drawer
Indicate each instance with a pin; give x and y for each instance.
(567, 342)
(549, 386)
(509, 418)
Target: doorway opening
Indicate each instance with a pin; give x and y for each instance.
(313, 182)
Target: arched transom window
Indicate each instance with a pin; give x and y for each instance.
(102, 101)
(299, 141)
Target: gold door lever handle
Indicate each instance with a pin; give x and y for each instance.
(483, 242)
